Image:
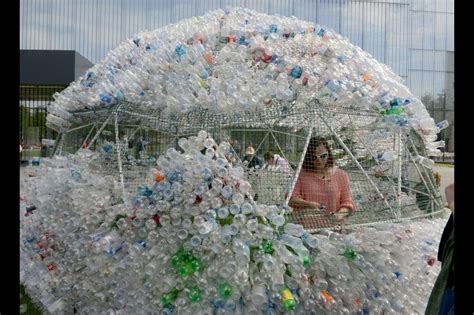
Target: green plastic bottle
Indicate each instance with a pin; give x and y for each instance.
(169, 297)
(288, 300)
(306, 261)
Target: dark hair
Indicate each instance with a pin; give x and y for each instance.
(313, 144)
(268, 155)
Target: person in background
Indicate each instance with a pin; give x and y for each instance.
(441, 300)
(437, 178)
(321, 185)
(231, 155)
(276, 161)
(138, 147)
(252, 160)
(237, 147)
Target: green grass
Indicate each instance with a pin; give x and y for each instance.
(25, 299)
(444, 165)
(31, 153)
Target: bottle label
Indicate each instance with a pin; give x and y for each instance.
(326, 295)
(286, 295)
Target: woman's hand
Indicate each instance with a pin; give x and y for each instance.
(313, 205)
(303, 204)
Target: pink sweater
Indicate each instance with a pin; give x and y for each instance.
(334, 192)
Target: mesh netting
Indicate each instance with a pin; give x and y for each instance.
(374, 166)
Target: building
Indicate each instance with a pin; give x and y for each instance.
(43, 73)
(449, 102)
(414, 37)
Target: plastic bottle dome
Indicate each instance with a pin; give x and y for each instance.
(268, 81)
(158, 210)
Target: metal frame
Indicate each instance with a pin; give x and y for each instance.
(125, 115)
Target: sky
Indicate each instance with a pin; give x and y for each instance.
(412, 42)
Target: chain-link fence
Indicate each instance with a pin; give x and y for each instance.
(33, 101)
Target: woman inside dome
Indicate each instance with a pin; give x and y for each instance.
(321, 185)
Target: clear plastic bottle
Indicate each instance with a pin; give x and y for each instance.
(442, 125)
(310, 240)
(426, 162)
(294, 229)
(200, 202)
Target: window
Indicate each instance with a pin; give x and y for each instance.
(374, 35)
(450, 6)
(440, 33)
(328, 14)
(415, 80)
(417, 5)
(305, 10)
(428, 30)
(440, 5)
(440, 61)
(417, 30)
(352, 23)
(450, 32)
(430, 5)
(416, 59)
(428, 78)
(428, 60)
(282, 7)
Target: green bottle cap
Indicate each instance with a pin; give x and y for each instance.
(306, 261)
(267, 247)
(225, 290)
(194, 294)
(169, 297)
(175, 260)
(183, 255)
(289, 305)
(183, 270)
(195, 265)
(350, 254)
